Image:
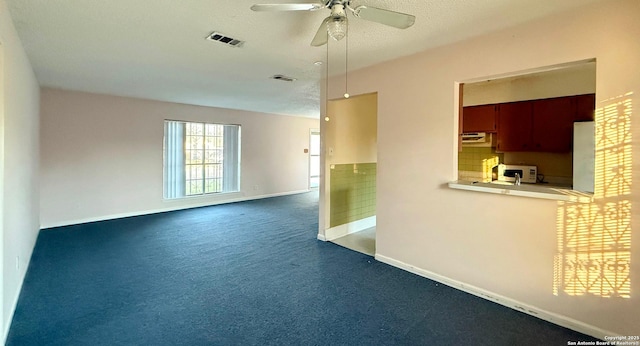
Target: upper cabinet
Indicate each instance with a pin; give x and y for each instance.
(542, 125)
(552, 125)
(583, 107)
(479, 118)
(515, 126)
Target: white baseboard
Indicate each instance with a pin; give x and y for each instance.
(502, 300)
(163, 210)
(351, 227)
(321, 237)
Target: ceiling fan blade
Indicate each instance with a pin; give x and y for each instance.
(288, 7)
(386, 17)
(322, 36)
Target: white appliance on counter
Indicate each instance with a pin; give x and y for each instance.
(584, 156)
(528, 174)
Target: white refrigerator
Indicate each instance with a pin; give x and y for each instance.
(584, 156)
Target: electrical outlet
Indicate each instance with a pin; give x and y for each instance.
(255, 187)
(17, 262)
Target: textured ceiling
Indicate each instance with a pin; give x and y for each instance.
(155, 49)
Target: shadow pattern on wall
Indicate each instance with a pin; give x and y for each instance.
(594, 239)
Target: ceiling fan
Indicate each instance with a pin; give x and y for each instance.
(336, 24)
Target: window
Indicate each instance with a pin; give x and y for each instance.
(200, 158)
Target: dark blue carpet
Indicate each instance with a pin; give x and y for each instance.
(249, 273)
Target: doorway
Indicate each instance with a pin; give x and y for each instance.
(350, 172)
(314, 159)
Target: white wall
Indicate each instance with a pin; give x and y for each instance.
(102, 155)
(19, 121)
(503, 245)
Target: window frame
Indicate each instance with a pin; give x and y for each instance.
(178, 156)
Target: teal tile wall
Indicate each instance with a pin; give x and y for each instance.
(353, 192)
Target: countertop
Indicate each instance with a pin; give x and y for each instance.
(544, 191)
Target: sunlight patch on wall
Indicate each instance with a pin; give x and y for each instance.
(594, 239)
(487, 167)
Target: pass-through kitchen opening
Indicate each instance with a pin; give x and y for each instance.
(535, 128)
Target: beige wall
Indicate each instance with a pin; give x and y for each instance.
(102, 155)
(19, 157)
(352, 131)
(504, 246)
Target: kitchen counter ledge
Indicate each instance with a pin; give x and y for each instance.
(525, 190)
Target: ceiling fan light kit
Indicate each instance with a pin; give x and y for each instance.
(337, 28)
(335, 25)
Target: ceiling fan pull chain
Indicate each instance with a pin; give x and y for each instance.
(346, 64)
(326, 90)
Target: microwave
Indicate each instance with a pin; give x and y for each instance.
(528, 174)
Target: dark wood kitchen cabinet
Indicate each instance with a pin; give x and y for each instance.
(515, 126)
(479, 118)
(544, 125)
(552, 125)
(583, 107)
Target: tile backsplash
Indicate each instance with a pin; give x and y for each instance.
(554, 167)
(353, 192)
(476, 163)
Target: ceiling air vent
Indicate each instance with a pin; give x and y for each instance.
(283, 78)
(222, 38)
